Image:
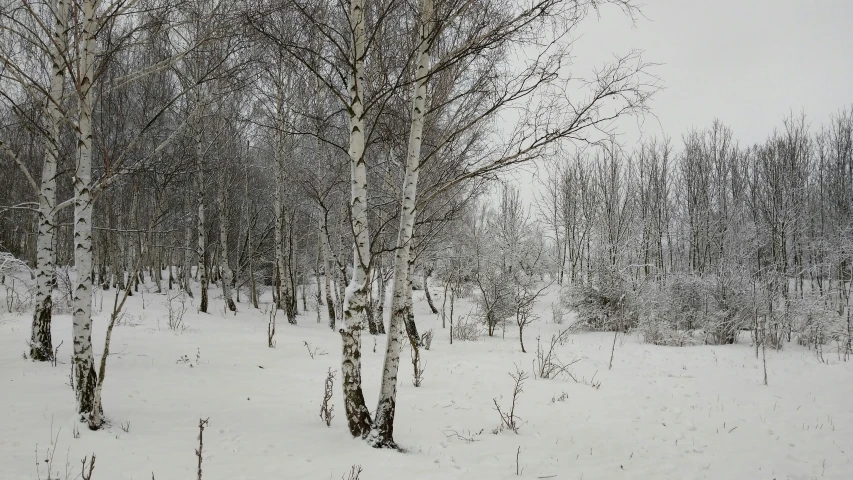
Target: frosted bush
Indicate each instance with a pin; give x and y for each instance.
(557, 313)
(466, 329)
(606, 303)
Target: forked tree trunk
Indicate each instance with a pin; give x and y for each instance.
(358, 416)
(85, 378)
(227, 275)
(382, 435)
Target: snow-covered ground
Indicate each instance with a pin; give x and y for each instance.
(660, 412)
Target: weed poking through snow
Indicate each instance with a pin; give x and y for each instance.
(327, 409)
(314, 351)
(509, 420)
(198, 452)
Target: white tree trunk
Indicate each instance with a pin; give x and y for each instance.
(199, 191)
(278, 212)
(288, 275)
(227, 275)
(383, 429)
(41, 345)
(83, 360)
(317, 270)
(355, 297)
(327, 285)
(186, 271)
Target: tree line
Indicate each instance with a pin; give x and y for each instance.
(708, 234)
(298, 147)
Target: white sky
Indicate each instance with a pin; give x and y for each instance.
(747, 62)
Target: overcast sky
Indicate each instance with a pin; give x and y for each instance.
(746, 62)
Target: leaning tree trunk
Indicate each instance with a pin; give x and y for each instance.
(427, 273)
(382, 434)
(227, 275)
(41, 345)
(358, 416)
(83, 361)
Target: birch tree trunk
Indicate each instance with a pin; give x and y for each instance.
(319, 261)
(83, 358)
(370, 304)
(41, 344)
(279, 251)
(170, 265)
(288, 277)
(253, 291)
(382, 435)
(358, 416)
(199, 191)
(330, 303)
(427, 273)
(278, 212)
(227, 275)
(380, 303)
(186, 271)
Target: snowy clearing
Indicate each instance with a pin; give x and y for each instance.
(660, 413)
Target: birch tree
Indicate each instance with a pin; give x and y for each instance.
(51, 22)
(227, 274)
(85, 378)
(511, 28)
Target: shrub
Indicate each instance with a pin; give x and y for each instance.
(606, 303)
(557, 314)
(426, 338)
(465, 329)
(693, 309)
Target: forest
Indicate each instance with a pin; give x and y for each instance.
(243, 181)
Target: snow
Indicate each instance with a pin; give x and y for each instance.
(660, 413)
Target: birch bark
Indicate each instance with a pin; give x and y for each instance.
(41, 345)
(199, 191)
(227, 274)
(279, 226)
(358, 416)
(186, 271)
(382, 435)
(83, 358)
